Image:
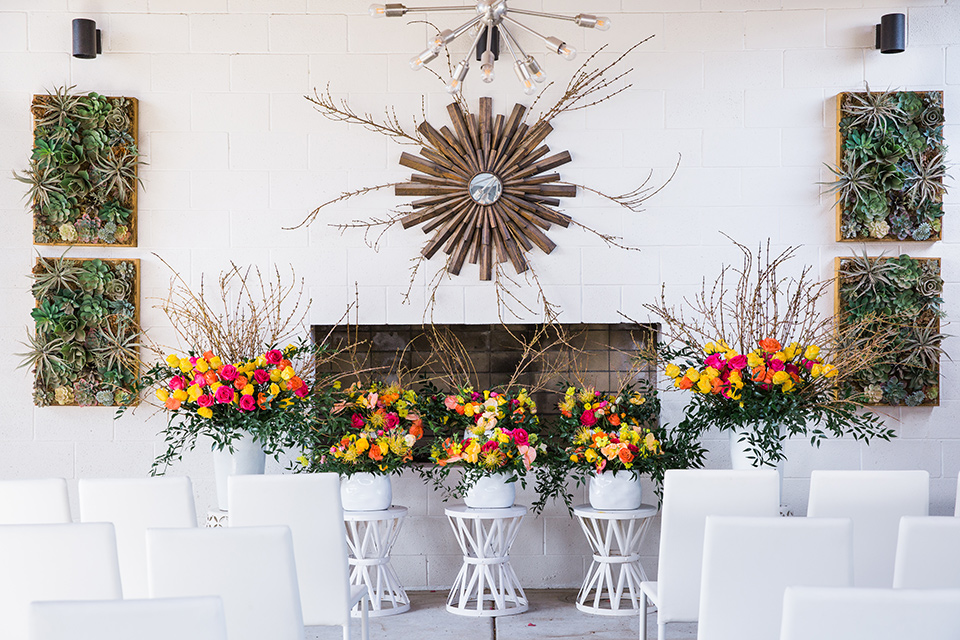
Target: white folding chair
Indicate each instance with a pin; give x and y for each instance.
(251, 568)
(133, 505)
(748, 562)
(54, 562)
(157, 619)
(689, 496)
(928, 553)
(956, 508)
(819, 613)
(310, 505)
(34, 501)
(875, 501)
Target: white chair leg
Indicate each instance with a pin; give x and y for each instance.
(364, 628)
(346, 631)
(661, 629)
(643, 616)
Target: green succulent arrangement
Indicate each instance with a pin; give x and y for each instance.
(82, 179)
(890, 178)
(84, 348)
(900, 300)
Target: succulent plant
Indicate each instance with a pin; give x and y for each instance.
(116, 172)
(94, 276)
(63, 395)
(57, 108)
(119, 342)
(52, 274)
(863, 274)
(84, 392)
(43, 355)
(894, 391)
(873, 109)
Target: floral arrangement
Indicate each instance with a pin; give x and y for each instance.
(890, 177)
(85, 343)
(265, 396)
(903, 299)
(724, 348)
(82, 178)
(372, 429)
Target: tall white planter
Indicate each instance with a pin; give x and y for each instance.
(492, 492)
(740, 461)
(366, 492)
(615, 491)
(247, 458)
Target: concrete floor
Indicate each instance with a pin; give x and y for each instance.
(552, 614)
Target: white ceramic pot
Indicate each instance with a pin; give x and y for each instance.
(247, 458)
(366, 492)
(616, 491)
(739, 460)
(492, 492)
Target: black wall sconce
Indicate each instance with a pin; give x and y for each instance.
(86, 39)
(892, 33)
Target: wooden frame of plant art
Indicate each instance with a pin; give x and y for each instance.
(890, 166)
(903, 297)
(85, 347)
(83, 170)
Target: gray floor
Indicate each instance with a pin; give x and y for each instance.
(552, 614)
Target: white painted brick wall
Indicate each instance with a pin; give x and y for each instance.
(743, 89)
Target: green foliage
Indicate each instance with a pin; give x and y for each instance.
(900, 299)
(84, 346)
(890, 180)
(82, 177)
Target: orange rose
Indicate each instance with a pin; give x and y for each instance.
(769, 345)
(240, 382)
(172, 403)
(685, 383)
(375, 452)
(210, 377)
(625, 456)
(613, 419)
(207, 355)
(758, 373)
(716, 385)
(416, 429)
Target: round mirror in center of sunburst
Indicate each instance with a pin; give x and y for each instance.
(485, 188)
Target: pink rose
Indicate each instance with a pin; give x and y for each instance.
(205, 400)
(260, 376)
(228, 373)
(356, 421)
(392, 420)
(490, 445)
(588, 418)
(792, 369)
(247, 403)
(199, 380)
(274, 356)
(450, 402)
(775, 364)
(738, 363)
(521, 437)
(715, 361)
(193, 360)
(302, 391)
(177, 383)
(809, 364)
(224, 395)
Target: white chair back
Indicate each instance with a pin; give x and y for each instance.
(34, 501)
(956, 508)
(310, 505)
(875, 501)
(251, 568)
(817, 613)
(689, 496)
(133, 505)
(928, 554)
(54, 562)
(157, 619)
(748, 562)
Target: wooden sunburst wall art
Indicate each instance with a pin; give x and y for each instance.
(488, 194)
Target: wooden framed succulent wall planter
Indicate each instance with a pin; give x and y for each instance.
(82, 178)
(85, 345)
(891, 165)
(900, 299)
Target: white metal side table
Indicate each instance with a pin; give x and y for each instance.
(486, 585)
(370, 537)
(615, 572)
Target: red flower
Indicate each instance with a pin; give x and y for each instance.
(260, 376)
(302, 391)
(224, 394)
(247, 403)
(490, 445)
(588, 418)
(177, 383)
(205, 400)
(356, 421)
(228, 372)
(521, 437)
(274, 356)
(738, 363)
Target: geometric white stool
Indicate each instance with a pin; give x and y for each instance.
(616, 571)
(486, 584)
(370, 537)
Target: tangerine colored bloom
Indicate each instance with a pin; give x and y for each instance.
(625, 456)
(210, 377)
(416, 429)
(172, 403)
(613, 419)
(685, 383)
(769, 345)
(375, 453)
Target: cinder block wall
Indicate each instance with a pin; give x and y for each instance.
(743, 89)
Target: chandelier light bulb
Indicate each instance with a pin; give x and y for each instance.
(456, 81)
(417, 62)
(568, 52)
(603, 23)
(589, 21)
(377, 11)
(486, 66)
(526, 80)
(534, 70)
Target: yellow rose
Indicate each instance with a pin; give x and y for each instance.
(590, 455)
(260, 361)
(180, 395)
(710, 373)
(216, 362)
(812, 352)
(586, 406)
(214, 386)
(205, 412)
(162, 395)
(791, 351)
(753, 360)
(779, 355)
(787, 386)
(468, 410)
(274, 389)
(672, 370)
(730, 354)
(692, 374)
(816, 370)
(504, 438)
(704, 385)
(574, 458)
(780, 377)
(829, 370)
(185, 365)
(362, 445)
(275, 375)
(247, 390)
(173, 360)
(709, 348)
(735, 378)
(194, 392)
(201, 365)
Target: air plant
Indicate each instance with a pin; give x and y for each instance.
(873, 109)
(854, 183)
(923, 346)
(52, 274)
(44, 184)
(927, 184)
(116, 171)
(56, 109)
(119, 342)
(45, 357)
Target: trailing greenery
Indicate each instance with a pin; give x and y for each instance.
(890, 181)
(899, 298)
(82, 177)
(84, 348)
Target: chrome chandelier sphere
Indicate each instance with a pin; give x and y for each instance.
(491, 21)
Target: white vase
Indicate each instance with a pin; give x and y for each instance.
(616, 491)
(366, 492)
(247, 458)
(739, 459)
(492, 492)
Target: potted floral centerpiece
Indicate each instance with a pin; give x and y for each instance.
(760, 361)
(368, 434)
(492, 438)
(613, 438)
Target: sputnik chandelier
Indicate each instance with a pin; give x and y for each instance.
(487, 27)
